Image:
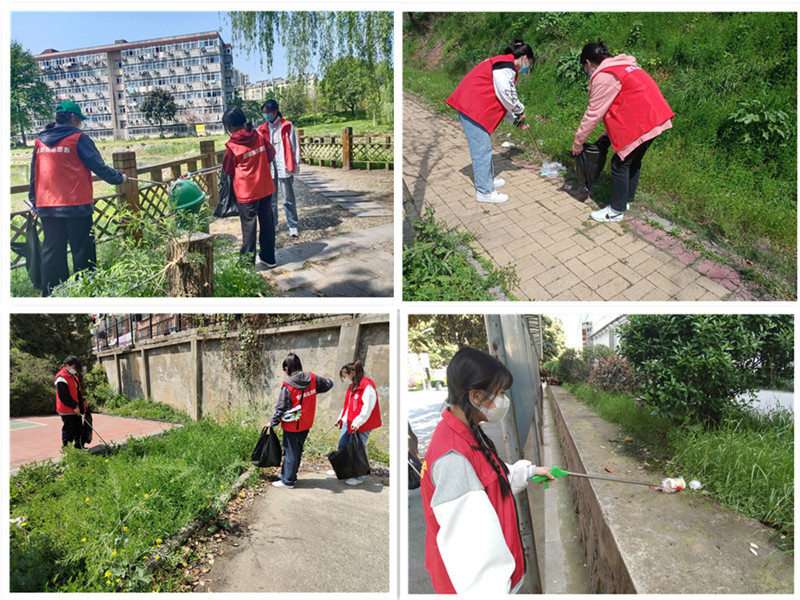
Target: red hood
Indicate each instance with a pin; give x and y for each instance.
(246, 138)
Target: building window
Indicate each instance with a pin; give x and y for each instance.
(118, 64)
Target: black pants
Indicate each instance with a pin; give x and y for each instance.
(71, 430)
(57, 232)
(625, 177)
(259, 212)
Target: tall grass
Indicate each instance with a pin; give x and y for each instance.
(747, 462)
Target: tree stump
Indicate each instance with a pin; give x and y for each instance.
(190, 266)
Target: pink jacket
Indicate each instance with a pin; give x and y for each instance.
(603, 89)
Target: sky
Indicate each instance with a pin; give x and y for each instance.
(572, 324)
(37, 31)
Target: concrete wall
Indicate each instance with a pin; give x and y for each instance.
(188, 370)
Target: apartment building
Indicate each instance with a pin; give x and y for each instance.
(263, 89)
(110, 82)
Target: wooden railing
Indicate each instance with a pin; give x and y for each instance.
(348, 150)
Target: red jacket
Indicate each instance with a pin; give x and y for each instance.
(74, 386)
(286, 139)
(248, 151)
(638, 108)
(452, 434)
(354, 402)
(309, 408)
(61, 178)
(475, 95)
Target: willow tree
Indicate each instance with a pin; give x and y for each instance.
(319, 36)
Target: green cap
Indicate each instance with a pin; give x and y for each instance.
(70, 107)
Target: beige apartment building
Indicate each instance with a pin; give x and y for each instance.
(110, 82)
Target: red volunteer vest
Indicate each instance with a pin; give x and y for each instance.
(354, 401)
(309, 397)
(74, 386)
(639, 107)
(252, 180)
(61, 178)
(452, 434)
(475, 95)
(286, 129)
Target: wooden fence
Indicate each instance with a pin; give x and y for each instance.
(347, 150)
(150, 199)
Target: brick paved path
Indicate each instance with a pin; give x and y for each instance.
(558, 251)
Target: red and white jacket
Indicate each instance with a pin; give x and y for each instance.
(361, 408)
(472, 542)
(488, 93)
(75, 393)
(308, 397)
(281, 133)
(62, 179)
(247, 159)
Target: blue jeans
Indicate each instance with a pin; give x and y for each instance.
(286, 187)
(480, 150)
(292, 453)
(345, 438)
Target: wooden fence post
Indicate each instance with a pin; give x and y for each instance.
(125, 162)
(210, 160)
(300, 134)
(347, 147)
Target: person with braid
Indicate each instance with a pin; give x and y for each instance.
(473, 543)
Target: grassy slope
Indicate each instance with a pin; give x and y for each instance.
(735, 193)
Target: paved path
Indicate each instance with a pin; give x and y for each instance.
(352, 201)
(558, 251)
(39, 438)
(321, 536)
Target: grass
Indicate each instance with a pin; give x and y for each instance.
(143, 408)
(436, 266)
(91, 522)
(747, 463)
(733, 182)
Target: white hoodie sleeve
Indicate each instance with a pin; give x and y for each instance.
(519, 475)
(506, 91)
(470, 538)
(369, 399)
(295, 150)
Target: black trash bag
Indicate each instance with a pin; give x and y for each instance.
(86, 430)
(414, 471)
(350, 461)
(226, 203)
(267, 452)
(590, 163)
(31, 250)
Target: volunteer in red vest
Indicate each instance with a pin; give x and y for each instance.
(282, 135)
(472, 539)
(61, 193)
(69, 402)
(634, 112)
(247, 160)
(361, 412)
(297, 404)
(486, 96)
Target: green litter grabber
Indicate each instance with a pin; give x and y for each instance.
(556, 472)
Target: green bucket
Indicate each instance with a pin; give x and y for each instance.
(187, 195)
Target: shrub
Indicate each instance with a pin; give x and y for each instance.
(96, 387)
(593, 354)
(571, 367)
(31, 389)
(612, 374)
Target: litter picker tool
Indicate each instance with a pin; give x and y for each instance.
(556, 472)
(105, 443)
(316, 441)
(533, 141)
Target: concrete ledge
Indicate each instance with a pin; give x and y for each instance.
(641, 541)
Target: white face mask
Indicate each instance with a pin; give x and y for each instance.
(348, 380)
(493, 415)
(71, 371)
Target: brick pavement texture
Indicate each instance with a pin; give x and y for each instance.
(559, 253)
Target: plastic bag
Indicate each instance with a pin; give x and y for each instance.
(590, 163)
(673, 484)
(267, 452)
(350, 461)
(86, 430)
(414, 470)
(227, 205)
(31, 250)
(551, 169)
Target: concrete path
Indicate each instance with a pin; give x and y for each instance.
(352, 201)
(39, 438)
(321, 536)
(357, 264)
(558, 251)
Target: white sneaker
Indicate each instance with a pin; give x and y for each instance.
(495, 197)
(293, 231)
(607, 214)
(331, 473)
(280, 484)
(263, 265)
(354, 481)
(499, 182)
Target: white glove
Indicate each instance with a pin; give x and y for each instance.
(519, 475)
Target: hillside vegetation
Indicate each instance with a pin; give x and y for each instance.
(727, 169)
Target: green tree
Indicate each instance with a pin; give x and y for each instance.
(293, 99)
(250, 108)
(700, 367)
(326, 36)
(441, 336)
(30, 97)
(554, 340)
(159, 106)
(347, 83)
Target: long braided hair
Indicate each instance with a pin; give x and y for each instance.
(472, 369)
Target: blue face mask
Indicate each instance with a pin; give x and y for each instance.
(270, 116)
(524, 69)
